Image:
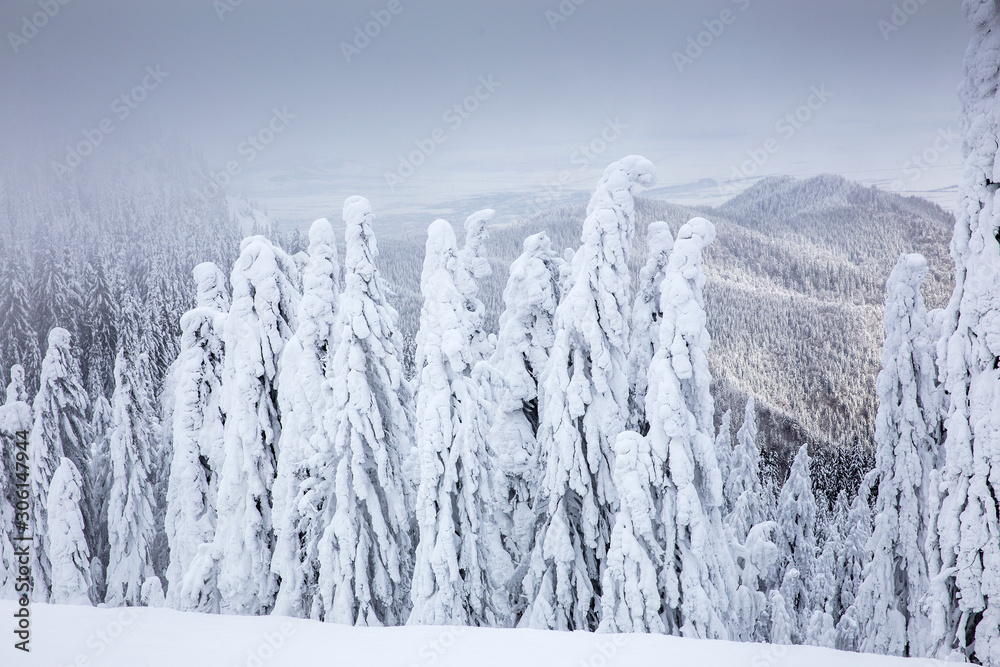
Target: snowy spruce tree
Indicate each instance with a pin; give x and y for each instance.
(460, 565)
(475, 267)
(796, 540)
(745, 495)
(197, 424)
(907, 430)
(60, 429)
(644, 336)
(965, 589)
(583, 403)
(365, 553)
(16, 390)
(304, 397)
(698, 580)
(98, 477)
(631, 600)
(522, 352)
(68, 551)
(260, 320)
(131, 501)
(724, 455)
(851, 565)
(18, 340)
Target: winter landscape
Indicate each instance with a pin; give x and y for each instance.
(274, 410)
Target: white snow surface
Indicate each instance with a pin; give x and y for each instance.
(161, 637)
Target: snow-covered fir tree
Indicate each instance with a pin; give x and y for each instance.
(304, 399)
(197, 425)
(630, 600)
(756, 557)
(68, 551)
(525, 337)
(907, 431)
(460, 565)
(644, 336)
(965, 592)
(98, 477)
(260, 320)
(16, 390)
(365, 553)
(796, 540)
(102, 331)
(698, 580)
(18, 341)
(724, 455)
(475, 267)
(134, 431)
(853, 560)
(60, 429)
(583, 403)
(745, 495)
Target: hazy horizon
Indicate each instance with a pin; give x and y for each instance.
(521, 102)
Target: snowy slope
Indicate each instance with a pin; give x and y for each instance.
(133, 637)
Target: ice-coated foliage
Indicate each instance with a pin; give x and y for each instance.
(15, 390)
(965, 598)
(197, 425)
(134, 431)
(583, 404)
(699, 578)
(460, 563)
(60, 429)
(907, 430)
(724, 455)
(304, 399)
(851, 563)
(644, 336)
(526, 335)
(796, 540)
(68, 551)
(745, 495)
(630, 600)
(260, 320)
(365, 551)
(473, 268)
(756, 557)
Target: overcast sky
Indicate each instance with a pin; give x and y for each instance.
(620, 77)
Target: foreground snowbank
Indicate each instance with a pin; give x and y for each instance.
(83, 636)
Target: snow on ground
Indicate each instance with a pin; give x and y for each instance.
(62, 636)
